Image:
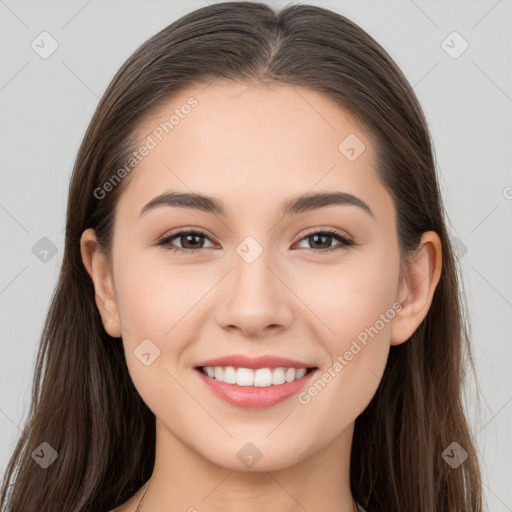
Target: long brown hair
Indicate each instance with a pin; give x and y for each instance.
(84, 404)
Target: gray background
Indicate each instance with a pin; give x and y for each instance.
(46, 105)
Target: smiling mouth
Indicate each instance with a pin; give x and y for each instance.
(255, 388)
(261, 377)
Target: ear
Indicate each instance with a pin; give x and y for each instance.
(417, 287)
(98, 267)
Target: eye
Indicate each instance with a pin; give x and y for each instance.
(190, 240)
(325, 237)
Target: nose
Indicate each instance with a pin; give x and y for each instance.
(254, 298)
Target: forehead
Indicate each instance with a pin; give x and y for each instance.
(254, 141)
(274, 121)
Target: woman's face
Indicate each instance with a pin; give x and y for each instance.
(255, 281)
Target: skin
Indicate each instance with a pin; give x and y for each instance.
(254, 146)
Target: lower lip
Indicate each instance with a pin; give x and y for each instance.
(252, 396)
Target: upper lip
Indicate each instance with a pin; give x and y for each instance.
(243, 361)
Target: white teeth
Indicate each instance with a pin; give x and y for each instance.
(300, 373)
(244, 377)
(262, 377)
(229, 375)
(219, 373)
(290, 375)
(278, 376)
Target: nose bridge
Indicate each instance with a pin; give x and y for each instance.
(253, 281)
(254, 297)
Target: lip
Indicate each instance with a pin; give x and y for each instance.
(253, 396)
(243, 361)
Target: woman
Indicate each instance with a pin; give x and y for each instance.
(201, 351)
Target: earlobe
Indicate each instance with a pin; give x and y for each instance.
(418, 286)
(98, 268)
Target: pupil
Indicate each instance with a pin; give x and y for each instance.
(316, 237)
(188, 237)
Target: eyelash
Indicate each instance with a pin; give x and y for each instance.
(345, 242)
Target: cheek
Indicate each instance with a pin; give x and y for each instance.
(154, 303)
(154, 295)
(358, 352)
(350, 298)
(355, 303)
(160, 302)
(363, 303)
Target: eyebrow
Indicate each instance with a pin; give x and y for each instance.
(298, 204)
